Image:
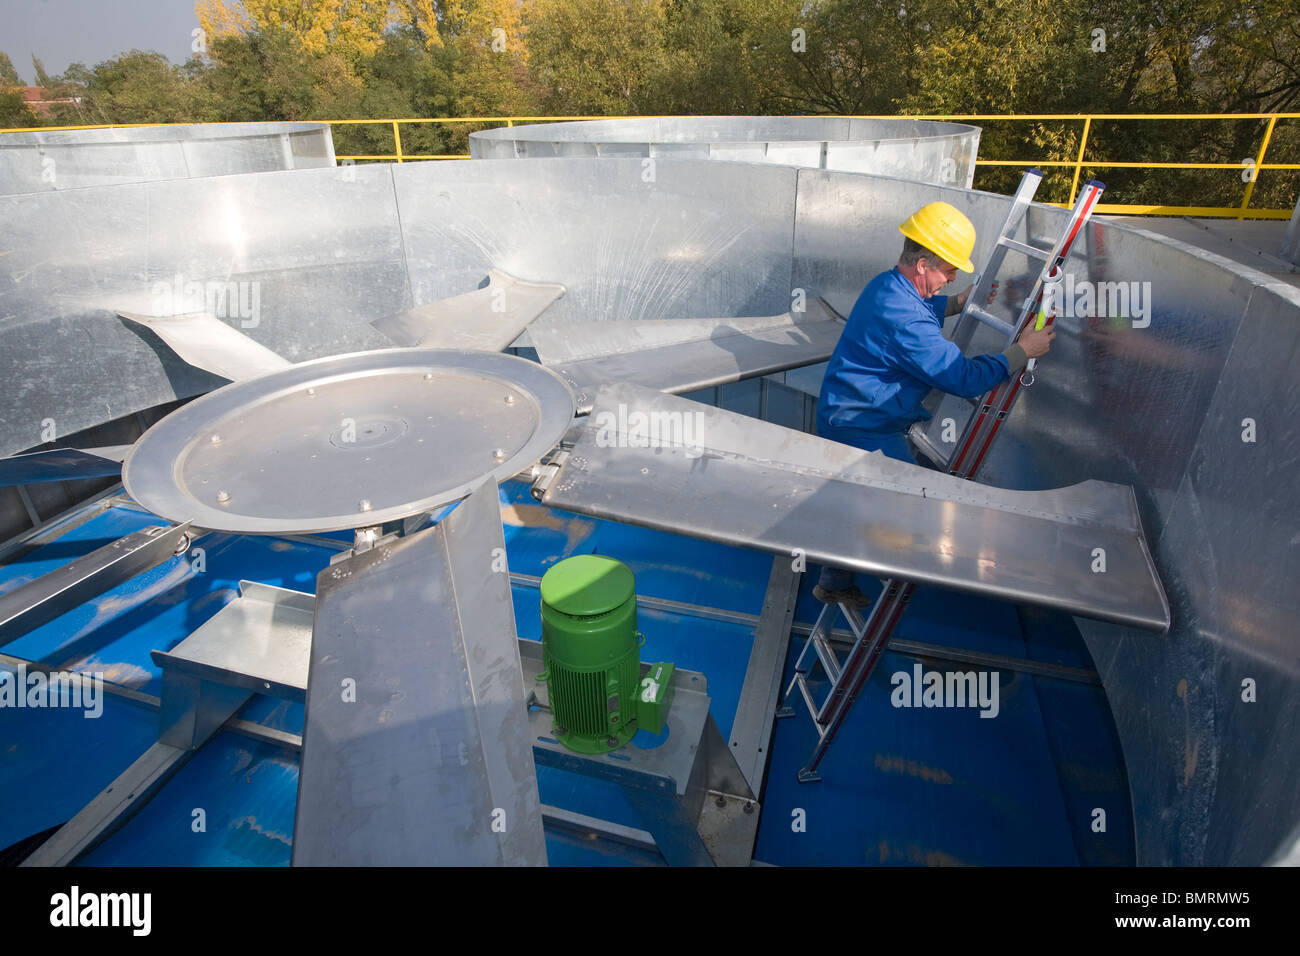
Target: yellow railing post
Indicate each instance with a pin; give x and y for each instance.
(1259, 161)
(1078, 162)
(397, 141)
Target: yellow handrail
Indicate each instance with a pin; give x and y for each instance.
(1078, 160)
(1078, 164)
(1254, 173)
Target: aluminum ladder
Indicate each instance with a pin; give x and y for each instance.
(872, 633)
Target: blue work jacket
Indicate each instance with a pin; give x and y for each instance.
(890, 354)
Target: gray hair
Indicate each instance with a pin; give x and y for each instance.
(914, 252)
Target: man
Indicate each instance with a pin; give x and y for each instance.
(892, 352)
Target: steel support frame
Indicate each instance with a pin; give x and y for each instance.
(37, 602)
(751, 730)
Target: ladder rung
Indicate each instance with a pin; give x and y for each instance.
(1033, 252)
(855, 619)
(988, 318)
(826, 654)
(799, 665)
(807, 699)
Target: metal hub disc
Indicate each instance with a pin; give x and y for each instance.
(348, 441)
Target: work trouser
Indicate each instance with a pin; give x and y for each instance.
(893, 445)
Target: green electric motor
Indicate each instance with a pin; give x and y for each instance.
(592, 660)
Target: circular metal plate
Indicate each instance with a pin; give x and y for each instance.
(348, 441)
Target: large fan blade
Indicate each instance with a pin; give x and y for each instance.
(728, 354)
(487, 319)
(205, 342)
(416, 749)
(561, 342)
(669, 463)
(63, 464)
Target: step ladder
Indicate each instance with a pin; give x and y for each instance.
(871, 633)
(1007, 318)
(975, 309)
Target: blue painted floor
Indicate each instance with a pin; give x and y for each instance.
(902, 786)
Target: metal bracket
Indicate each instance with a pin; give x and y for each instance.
(546, 473)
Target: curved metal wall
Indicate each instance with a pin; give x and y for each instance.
(924, 150)
(1206, 714)
(46, 160)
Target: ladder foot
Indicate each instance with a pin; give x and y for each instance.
(809, 776)
(786, 711)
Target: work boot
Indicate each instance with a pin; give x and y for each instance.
(851, 595)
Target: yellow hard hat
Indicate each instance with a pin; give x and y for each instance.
(945, 231)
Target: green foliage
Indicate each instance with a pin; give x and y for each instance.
(42, 78)
(13, 111)
(598, 56)
(8, 75)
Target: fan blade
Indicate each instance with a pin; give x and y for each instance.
(416, 750)
(669, 463)
(63, 464)
(487, 319)
(557, 343)
(205, 342)
(730, 355)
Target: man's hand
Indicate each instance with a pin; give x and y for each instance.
(965, 294)
(1037, 344)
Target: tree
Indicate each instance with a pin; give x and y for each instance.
(135, 87)
(14, 112)
(8, 75)
(598, 56)
(353, 28)
(42, 78)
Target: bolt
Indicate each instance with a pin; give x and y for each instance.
(311, 392)
(428, 376)
(215, 439)
(182, 545)
(223, 496)
(612, 741)
(510, 399)
(749, 806)
(722, 802)
(499, 454)
(363, 504)
(558, 731)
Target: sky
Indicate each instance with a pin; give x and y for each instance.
(61, 32)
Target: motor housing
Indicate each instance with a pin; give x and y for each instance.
(591, 655)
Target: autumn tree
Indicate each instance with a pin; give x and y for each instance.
(8, 75)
